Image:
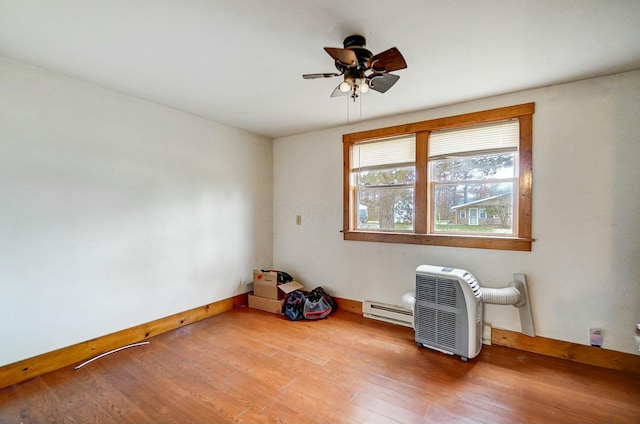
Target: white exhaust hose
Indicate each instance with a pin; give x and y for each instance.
(409, 300)
(502, 296)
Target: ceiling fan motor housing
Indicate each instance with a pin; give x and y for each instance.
(357, 43)
(354, 41)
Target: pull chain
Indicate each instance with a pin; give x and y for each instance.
(355, 98)
(348, 118)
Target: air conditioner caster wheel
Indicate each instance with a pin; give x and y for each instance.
(419, 344)
(464, 358)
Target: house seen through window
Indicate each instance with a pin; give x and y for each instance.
(458, 181)
(473, 170)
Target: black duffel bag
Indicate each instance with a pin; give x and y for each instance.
(318, 304)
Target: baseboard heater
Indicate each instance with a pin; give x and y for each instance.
(388, 313)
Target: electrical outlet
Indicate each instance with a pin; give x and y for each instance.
(298, 219)
(595, 337)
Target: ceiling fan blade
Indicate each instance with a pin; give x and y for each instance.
(389, 60)
(314, 76)
(337, 92)
(345, 56)
(382, 82)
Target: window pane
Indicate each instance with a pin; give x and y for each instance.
(387, 177)
(385, 208)
(474, 168)
(474, 208)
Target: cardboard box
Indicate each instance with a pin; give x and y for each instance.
(267, 305)
(289, 287)
(269, 277)
(267, 294)
(267, 291)
(275, 292)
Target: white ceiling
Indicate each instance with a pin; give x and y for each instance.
(239, 62)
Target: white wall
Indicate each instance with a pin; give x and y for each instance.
(584, 270)
(115, 211)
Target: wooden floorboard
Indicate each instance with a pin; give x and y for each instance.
(247, 366)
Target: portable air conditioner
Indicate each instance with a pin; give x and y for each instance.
(448, 311)
(448, 306)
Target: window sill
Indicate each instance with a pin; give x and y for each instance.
(497, 243)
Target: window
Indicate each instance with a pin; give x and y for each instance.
(470, 168)
(383, 177)
(460, 181)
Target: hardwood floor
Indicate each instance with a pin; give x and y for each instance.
(248, 366)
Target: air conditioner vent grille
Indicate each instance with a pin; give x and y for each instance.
(441, 291)
(425, 329)
(428, 289)
(447, 293)
(446, 329)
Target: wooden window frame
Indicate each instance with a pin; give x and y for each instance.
(521, 242)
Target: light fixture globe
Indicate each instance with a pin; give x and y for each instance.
(364, 86)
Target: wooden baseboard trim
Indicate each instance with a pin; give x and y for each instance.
(589, 355)
(349, 305)
(41, 364)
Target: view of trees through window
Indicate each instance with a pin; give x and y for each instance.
(385, 198)
(470, 185)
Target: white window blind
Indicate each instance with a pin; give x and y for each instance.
(386, 152)
(493, 137)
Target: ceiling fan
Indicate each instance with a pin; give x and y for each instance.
(361, 69)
